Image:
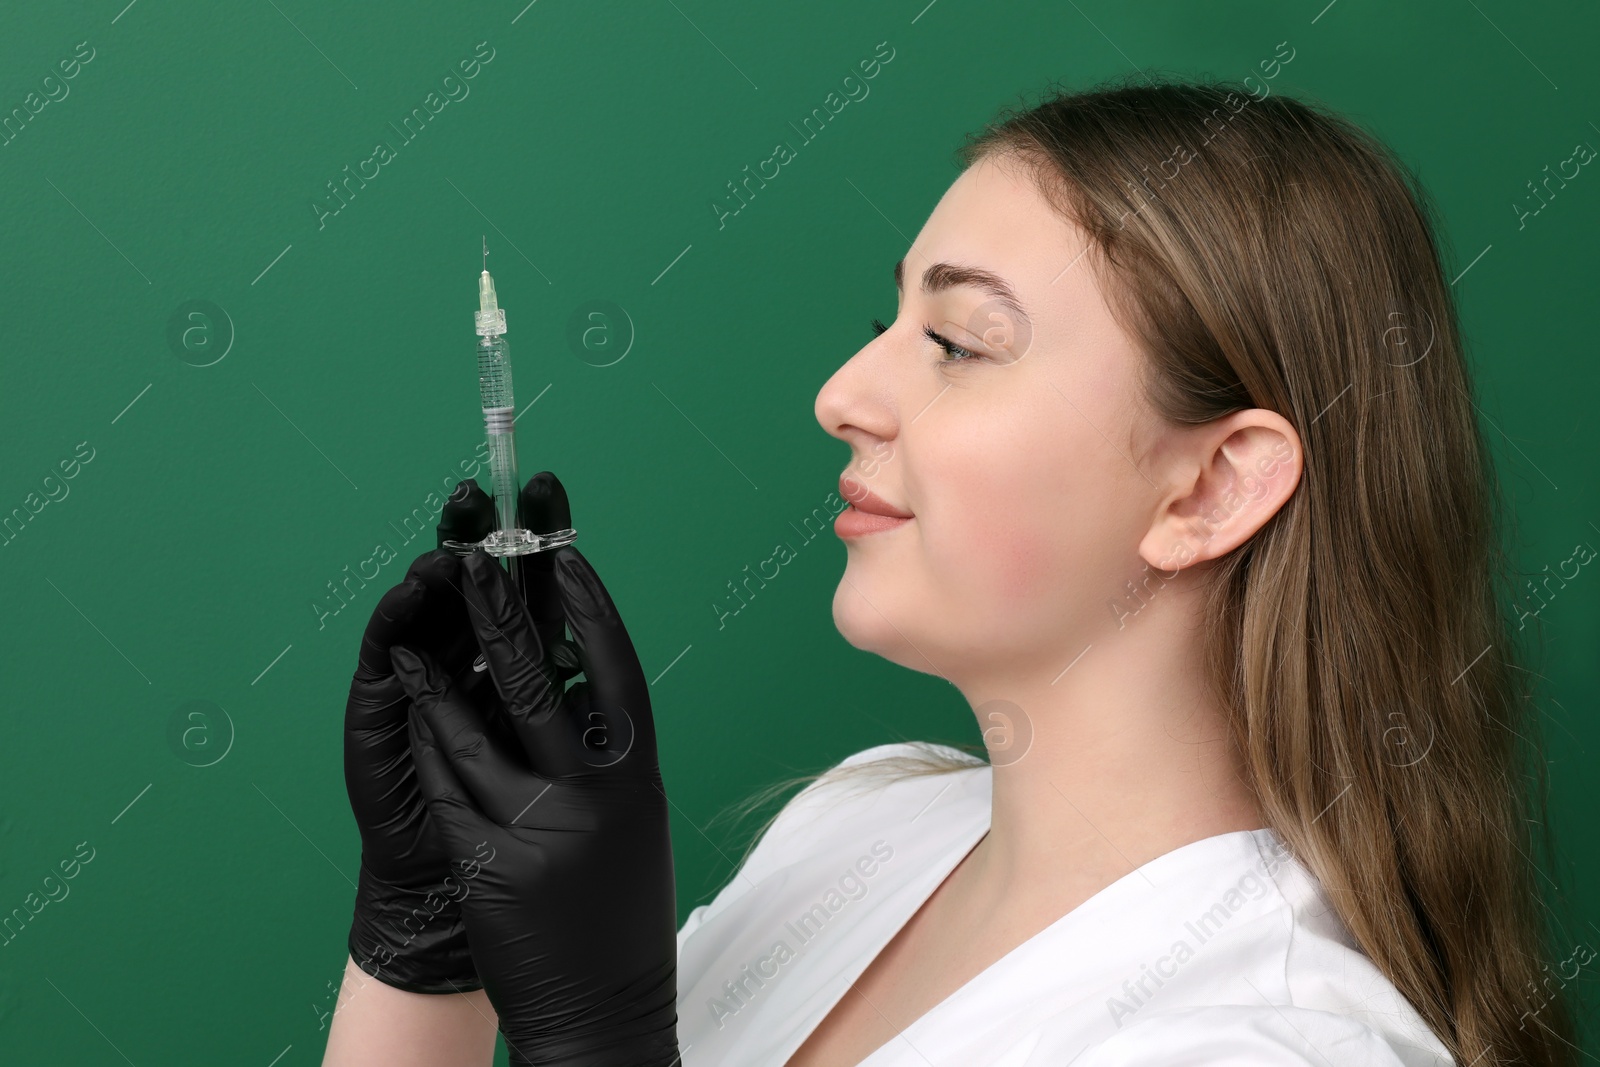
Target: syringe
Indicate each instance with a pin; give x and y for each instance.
(499, 416)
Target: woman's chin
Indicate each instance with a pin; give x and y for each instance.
(869, 630)
(859, 622)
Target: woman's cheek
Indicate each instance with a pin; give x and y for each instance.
(1028, 571)
(1000, 565)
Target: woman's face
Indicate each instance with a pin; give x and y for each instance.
(1017, 464)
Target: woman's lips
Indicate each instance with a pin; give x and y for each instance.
(868, 512)
(865, 499)
(853, 523)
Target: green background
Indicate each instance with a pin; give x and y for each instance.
(186, 561)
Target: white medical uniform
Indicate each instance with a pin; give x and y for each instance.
(1222, 951)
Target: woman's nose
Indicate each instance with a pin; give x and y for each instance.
(859, 400)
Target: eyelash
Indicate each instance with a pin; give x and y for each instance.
(954, 352)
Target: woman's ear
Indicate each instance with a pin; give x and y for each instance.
(1232, 475)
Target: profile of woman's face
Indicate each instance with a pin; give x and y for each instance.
(1017, 464)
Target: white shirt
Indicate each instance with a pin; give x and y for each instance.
(1222, 951)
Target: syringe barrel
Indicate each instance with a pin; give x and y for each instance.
(499, 410)
(494, 372)
(503, 468)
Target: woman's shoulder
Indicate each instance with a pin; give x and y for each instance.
(877, 786)
(1264, 1035)
(1326, 971)
(1226, 950)
(1263, 972)
(928, 752)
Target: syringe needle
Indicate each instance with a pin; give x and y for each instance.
(485, 251)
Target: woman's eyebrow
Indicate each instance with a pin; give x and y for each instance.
(941, 276)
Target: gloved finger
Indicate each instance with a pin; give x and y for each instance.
(391, 622)
(377, 761)
(468, 515)
(564, 660)
(449, 803)
(484, 760)
(425, 608)
(375, 742)
(618, 690)
(443, 627)
(516, 661)
(543, 507)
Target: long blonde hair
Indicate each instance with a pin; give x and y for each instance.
(1269, 253)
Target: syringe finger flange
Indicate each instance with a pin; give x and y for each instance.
(515, 542)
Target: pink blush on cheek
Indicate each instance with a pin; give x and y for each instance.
(1000, 566)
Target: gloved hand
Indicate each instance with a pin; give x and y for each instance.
(407, 928)
(556, 797)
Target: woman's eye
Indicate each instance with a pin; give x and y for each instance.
(954, 353)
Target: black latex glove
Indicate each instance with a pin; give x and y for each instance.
(407, 928)
(557, 797)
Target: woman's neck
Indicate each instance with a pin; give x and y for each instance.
(1118, 761)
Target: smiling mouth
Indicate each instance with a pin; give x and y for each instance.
(853, 522)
